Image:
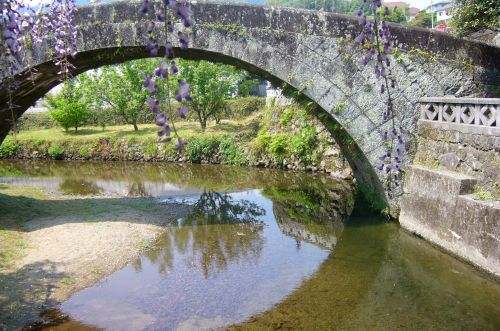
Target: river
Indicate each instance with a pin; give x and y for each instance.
(262, 249)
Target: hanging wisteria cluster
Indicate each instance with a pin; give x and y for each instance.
(60, 21)
(376, 40)
(170, 11)
(25, 25)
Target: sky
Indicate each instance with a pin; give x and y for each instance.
(420, 4)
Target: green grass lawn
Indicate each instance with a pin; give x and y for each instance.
(246, 126)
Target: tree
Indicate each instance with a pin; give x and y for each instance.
(422, 19)
(210, 86)
(120, 87)
(70, 108)
(246, 84)
(475, 15)
(394, 14)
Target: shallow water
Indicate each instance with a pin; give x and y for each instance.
(265, 249)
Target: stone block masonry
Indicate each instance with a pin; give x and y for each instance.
(457, 158)
(312, 52)
(438, 205)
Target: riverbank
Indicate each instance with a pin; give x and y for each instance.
(57, 245)
(282, 138)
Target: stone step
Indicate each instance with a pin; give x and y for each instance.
(438, 183)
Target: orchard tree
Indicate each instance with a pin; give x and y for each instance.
(70, 108)
(120, 88)
(210, 86)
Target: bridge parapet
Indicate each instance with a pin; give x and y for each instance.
(476, 115)
(452, 192)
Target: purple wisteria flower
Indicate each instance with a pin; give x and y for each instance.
(376, 37)
(182, 92)
(171, 9)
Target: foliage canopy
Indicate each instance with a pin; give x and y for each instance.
(475, 15)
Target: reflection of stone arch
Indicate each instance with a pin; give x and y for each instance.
(304, 49)
(325, 235)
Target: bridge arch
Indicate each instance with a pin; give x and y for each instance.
(311, 51)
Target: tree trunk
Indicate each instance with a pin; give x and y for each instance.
(203, 123)
(135, 127)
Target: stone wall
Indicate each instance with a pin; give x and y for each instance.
(467, 150)
(438, 205)
(451, 192)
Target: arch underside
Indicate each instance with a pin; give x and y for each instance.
(35, 86)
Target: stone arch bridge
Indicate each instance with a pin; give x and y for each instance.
(311, 51)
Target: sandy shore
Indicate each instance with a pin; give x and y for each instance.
(66, 253)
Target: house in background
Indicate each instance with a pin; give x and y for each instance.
(442, 11)
(410, 12)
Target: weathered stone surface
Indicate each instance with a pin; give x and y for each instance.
(436, 206)
(449, 161)
(311, 51)
(472, 150)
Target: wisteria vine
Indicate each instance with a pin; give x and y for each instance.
(376, 40)
(24, 26)
(171, 10)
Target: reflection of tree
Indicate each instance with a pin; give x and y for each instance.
(79, 186)
(219, 208)
(137, 189)
(218, 231)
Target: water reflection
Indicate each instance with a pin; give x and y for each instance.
(218, 231)
(262, 250)
(224, 262)
(155, 179)
(311, 216)
(79, 186)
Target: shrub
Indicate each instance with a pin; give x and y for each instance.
(278, 147)
(150, 148)
(56, 152)
(84, 152)
(231, 153)
(201, 147)
(262, 141)
(242, 107)
(304, 144)
(286, 117)
(36, 121)
(9, 148)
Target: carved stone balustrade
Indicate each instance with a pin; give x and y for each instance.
(455, 113)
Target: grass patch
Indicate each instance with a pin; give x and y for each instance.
(185, 129)
(484, 195)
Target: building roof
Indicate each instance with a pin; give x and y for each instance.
(413, 11)
(441, 4)
(393, 4)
